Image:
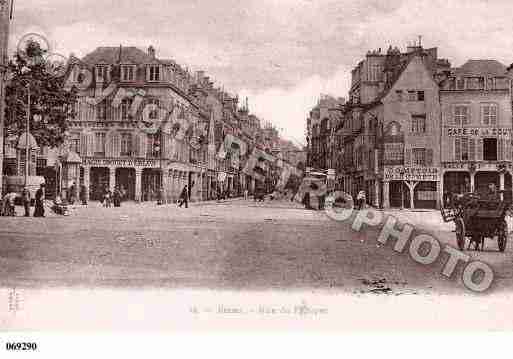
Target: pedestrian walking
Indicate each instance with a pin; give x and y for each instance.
(184, 197)
(246, 194)
(83, 195)
(39, 210)
(25, 197)
(160, 196)
(360, 199)
(72, 195)
(107, 197)
(116, 197)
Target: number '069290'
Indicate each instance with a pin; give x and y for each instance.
(20, 346)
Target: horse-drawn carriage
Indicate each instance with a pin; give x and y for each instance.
(478, 217)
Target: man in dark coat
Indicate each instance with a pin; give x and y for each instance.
(72, 193)
(25, 197)
(39, 210)
(184, 197)
(116, 197)
(83, 195)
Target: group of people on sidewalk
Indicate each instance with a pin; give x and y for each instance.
(113, 198)
(8, 202)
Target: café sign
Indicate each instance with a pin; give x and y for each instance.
(479, 132)
(107, 162)
(398, 173)
(477, 166)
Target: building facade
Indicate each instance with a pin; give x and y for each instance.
(476, 127)
(387, 141)
(148, 127)
(416, 131)
(118, 128)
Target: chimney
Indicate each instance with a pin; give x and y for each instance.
(151, 52)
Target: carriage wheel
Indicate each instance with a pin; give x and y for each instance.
(460, 233)
(502, 237)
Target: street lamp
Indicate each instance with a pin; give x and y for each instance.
(36, 118)
(158, 149)
(401, 173)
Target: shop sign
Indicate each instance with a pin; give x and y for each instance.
(411, 173)
(479, 166)
(479, 132)
(106, 162)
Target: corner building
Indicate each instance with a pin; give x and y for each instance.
(476, 127)
(391, 128)
(116, 143)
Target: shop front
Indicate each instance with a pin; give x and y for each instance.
(461, 177)
(125, 181)
(139, 179)
(411, 187)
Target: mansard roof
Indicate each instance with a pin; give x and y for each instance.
(119, 54)
(481, 67)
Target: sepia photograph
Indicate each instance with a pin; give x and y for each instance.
(251, 166)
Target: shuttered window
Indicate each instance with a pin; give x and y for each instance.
(407, 157)
(464, 149)
(461, 115)
(126, 105)
(429, 157)
(507, 150)
(141, 148)
(472, 149)
(99, 144)
(500, 149)
(419, 156)
(126, 144)
(83, 144)
(479, 149)
(457, 149)
(489, 114)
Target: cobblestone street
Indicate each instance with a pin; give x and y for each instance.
(234, 244)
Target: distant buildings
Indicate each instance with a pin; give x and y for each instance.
(414, 128)
(320, 123)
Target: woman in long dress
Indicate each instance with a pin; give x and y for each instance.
(39, 210)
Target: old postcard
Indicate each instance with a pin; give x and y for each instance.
(293, 165)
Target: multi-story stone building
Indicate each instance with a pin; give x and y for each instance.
(320, 123)
(117, 128)
(386, 136)
(476, 127)
(145, 125)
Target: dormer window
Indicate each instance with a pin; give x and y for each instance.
(102, 73)
(153, 73)
(128, 72)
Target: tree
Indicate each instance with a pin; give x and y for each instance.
(49, 99)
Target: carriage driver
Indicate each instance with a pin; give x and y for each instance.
(492, 194)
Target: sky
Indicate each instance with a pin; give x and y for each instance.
(282, 54)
